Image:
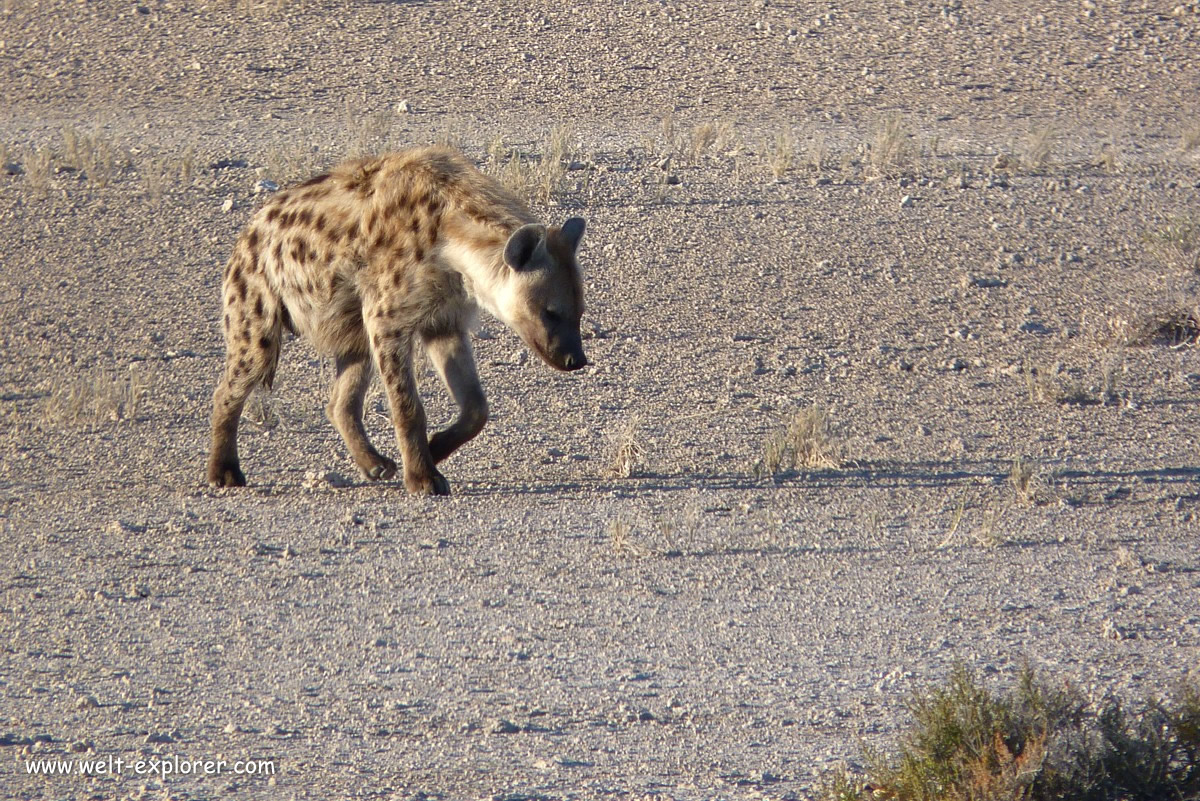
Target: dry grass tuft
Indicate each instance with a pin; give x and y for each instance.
(38, 164)
(540, 175)
(1189, 138)
(628, 453)
(780, 154)
(892, 148)
(368, 134)
(816, 153)
(1038, 148)
(1021, 477)
(805, 443)
(1037, 742)
(1177, 243)
(97, 158)
(287, 164)
(98, 398)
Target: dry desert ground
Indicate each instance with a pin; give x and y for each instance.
(957, 239)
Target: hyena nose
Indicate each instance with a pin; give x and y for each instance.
(574, 361)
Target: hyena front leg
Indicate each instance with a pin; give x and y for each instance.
(345, 411)
(452, 358)
(393, 351)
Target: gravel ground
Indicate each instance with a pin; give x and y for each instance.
(983, 287)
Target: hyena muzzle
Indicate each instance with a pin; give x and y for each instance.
(374, 259)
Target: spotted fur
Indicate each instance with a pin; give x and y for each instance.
(369, 261)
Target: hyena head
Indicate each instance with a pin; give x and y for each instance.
(544, 292)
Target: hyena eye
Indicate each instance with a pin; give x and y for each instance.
(551, 317)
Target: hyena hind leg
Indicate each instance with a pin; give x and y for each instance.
(253, 354)
(345, 411)
(451, 356)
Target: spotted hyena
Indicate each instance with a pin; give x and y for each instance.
(369, 261)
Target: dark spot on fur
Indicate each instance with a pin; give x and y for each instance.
(304, 217)
(432, 204)
(415, 225)
(226, 321)
(278, 252)
(252, 239)
(381, 239)
(272, 214)
(418, 255)
(258, 307)
(264, 343)
(319, 224)
(239, 286)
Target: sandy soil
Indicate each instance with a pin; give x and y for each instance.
(553, 630)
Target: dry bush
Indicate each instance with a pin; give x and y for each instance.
(100, 397)
(780, 154)
(805, 443)
(626, 451)
(1172, 327)
(1038, 742)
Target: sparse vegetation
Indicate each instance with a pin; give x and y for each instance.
(1177, 243)
(101, 397)
(1035, 743)
(1105, 388)
(805, 443)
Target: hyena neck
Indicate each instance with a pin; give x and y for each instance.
(478, 256)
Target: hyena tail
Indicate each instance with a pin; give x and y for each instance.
(253, 333)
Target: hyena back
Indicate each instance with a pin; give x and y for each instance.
(379, 256)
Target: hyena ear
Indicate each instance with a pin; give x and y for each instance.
(518, 253)
(572, 231)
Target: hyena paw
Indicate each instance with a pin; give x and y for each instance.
(432, 484)
(226, 474)
(381, 468)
